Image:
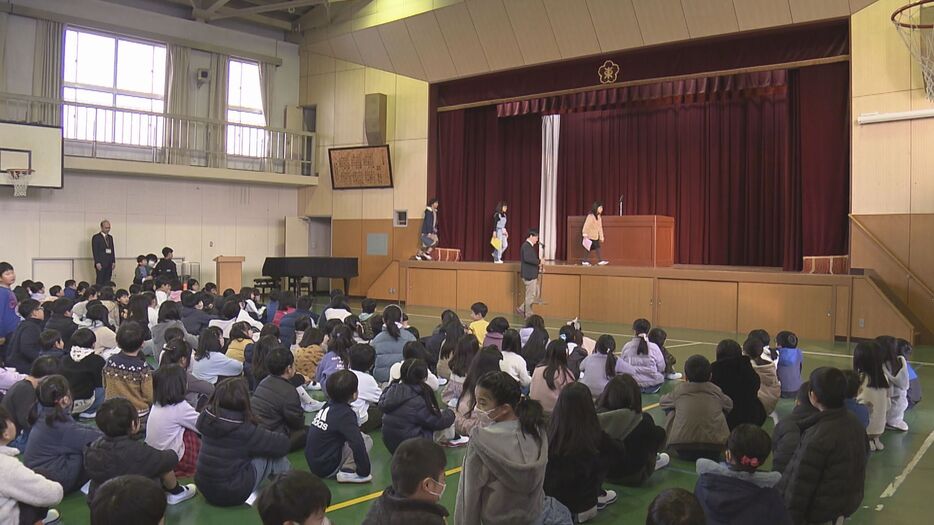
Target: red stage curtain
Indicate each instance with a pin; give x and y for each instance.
(482, 160)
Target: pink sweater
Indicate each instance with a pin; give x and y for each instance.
(540, 392)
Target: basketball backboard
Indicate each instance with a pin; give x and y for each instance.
(31, 146)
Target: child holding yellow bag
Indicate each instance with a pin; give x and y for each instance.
(500, 239)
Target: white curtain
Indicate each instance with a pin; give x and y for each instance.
(217, 110)
(551, 125)
(47, 71)
(266, 75)
(178, 140)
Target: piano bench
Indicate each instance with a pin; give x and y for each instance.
(264, 285)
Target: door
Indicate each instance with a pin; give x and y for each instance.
(296, 237)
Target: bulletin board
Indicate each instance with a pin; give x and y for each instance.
(360, 167)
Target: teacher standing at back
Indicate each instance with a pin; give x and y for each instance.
(593, 234)
(102, 246)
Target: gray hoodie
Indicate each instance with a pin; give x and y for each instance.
(504, 471)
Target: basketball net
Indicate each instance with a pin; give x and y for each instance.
(915, 24)
(20, 179)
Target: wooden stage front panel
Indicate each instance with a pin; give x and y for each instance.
(815, 307)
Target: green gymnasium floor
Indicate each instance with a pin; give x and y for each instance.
(898, 478)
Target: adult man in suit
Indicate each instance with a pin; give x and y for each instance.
(531, 266)
(102, 246)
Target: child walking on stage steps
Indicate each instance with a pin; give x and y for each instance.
(500, 240)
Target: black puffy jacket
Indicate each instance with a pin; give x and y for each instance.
(392, 509)
(787, 435)
(108, 458)
(638, 439)
(739, 380)
(225, 474)
(406, 414)
(728, 500)
(826, 476)
(277, 406)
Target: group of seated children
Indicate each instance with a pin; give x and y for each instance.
(546, 421)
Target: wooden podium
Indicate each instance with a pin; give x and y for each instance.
(631, 240)
(229, 272)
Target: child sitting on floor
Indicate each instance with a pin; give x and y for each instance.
(57, 443)
(733, 373)
(20, 400)
(417, 486)
(294, 497)
(129, 499)
(413, 350)
(697, 412)
(410, 408)
(736, 491)
(24, 495)
(601, 366)
(127, 374)
(276, 402)
(366, 406)
(645, 357)
(478, 322)
(787, 433)
(790, 363)
(117, 453)
(173, 421)
(335, 446)
(658, 337)
(675, 507)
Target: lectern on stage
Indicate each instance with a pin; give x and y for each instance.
(631, 240)
(229, 272)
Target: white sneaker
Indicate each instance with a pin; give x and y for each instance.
(585, 263)
(252, 498)
(900, 425)
(774, 416)
(603, 263)
(606, 499)
(454, 443)
(662, 460)
(314, 386)
(674, 376)
(498, 262)
(352, 477)
(313, 406)
(52, 516)
(587, 515)
(86, 488)
(188, 491)
(442, 382)
(87, 415)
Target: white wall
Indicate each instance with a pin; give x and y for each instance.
(198, 220)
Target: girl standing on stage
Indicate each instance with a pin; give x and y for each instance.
(593, 230)
(499, 231)
(429, 235)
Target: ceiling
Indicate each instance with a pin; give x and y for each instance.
(438, 40)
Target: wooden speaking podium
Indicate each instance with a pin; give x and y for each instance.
(631, 240)
(229, 272)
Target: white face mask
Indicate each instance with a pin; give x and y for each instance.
(485, 417)
(438, 494)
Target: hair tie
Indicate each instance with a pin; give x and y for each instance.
(564, 337)
(749, 462)
(644, 336)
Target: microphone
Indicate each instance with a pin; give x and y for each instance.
(621, 198)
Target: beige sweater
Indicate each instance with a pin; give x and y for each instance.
(21, 484)
(593, 228)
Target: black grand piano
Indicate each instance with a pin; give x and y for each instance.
(296, 268)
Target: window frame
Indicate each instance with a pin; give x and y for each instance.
(238, 144)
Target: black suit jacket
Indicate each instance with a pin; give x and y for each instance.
(530, 261)
(99, 247)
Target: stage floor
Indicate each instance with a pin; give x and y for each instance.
(719, 298)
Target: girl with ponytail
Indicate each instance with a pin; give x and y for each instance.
(410, 408)
(56, 443)
(389, 343)
(504, 467)
(645, 357)
(602, 365)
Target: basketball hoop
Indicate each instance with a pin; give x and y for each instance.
(915, 24)
(20, 179)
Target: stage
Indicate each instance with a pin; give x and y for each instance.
(719, 298)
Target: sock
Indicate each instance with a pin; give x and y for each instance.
(177, 490)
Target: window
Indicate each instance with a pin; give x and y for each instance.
(245, 106)
(113, 72)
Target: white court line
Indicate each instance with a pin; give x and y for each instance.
(669, 347)
(805, 352)
(897, 482)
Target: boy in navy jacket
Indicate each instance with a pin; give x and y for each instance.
(335, 445)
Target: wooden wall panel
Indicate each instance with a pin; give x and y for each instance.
(372, 266)
(405, 240)
(866, 254)
(561, 293)
(431, 287)
(893, 230)
(496, 289)
(386, 286)
(615, 299)
(842, 319)
(921, 257)
(346, 242)
(805, 310)
(874, 316)
(702, 305)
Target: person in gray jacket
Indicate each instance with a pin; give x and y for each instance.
(504, 468)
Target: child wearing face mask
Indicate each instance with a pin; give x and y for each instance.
(417, 486)
(504, 467)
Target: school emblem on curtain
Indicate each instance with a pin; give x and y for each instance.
(608, 72)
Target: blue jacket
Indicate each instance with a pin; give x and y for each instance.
(727, 500)
(790, 362)
(196, 320)
(388, 352)
(406, 414)
(860, 411)
(429, 222)
(287, 325)
(23, 346)
(333, 426)
(9, 319)
(57, 451)
(329, 364)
